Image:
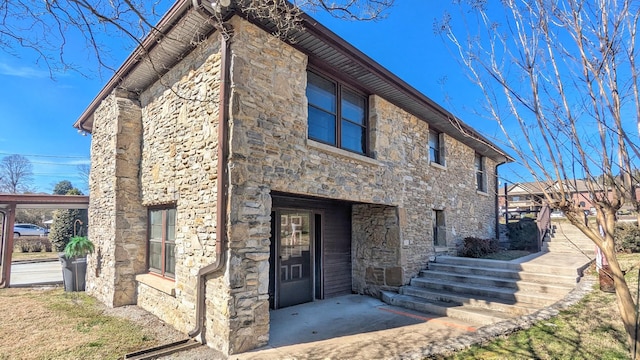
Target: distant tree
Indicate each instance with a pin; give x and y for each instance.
(67, 223)
(16, 174)
(84, 170)
(33, 216)
(62, 188)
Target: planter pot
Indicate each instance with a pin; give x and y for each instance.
(74, 271)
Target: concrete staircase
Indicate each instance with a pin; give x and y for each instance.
(483, 292)
(566, 238)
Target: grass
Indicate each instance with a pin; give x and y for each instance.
(52, 324)
(20, 256)
(591, 329)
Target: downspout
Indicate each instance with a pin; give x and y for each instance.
(497, 206)
(222, 185)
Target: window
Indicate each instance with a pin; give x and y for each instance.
(436, 147)
(480, 173)
(439, 229)
(337, 115)
(162, 236)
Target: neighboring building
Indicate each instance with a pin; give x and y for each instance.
(256, 174)
(529, 196)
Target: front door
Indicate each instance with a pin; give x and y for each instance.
(292, 257)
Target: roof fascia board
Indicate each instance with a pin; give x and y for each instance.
(148, 43)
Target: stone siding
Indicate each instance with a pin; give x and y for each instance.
(163, 151)
(376, 249)
(117, 220)
(179, 167)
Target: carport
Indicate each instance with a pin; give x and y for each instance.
(9, 203)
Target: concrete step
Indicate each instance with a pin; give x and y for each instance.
(532, 267)
(508, 307)
(502, 273)
(468, 314)
(526, 293)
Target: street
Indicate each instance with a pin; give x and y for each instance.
(36, 273)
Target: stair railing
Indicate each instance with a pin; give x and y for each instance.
(543, 221)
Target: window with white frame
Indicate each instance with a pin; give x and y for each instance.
(162, 236)
(436, 147)
(481, 176)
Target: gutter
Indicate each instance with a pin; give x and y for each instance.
(221, 182)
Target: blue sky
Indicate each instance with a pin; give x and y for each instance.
(37, 112)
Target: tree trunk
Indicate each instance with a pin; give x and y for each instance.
(626, 305)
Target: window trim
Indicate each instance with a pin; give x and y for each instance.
(162, 273)
(340, 84)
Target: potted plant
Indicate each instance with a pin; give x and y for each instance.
(74, 262)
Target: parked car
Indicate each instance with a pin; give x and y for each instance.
(557, 214)
(29, 230)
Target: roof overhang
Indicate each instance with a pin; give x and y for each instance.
(184, 25)
(38, 201)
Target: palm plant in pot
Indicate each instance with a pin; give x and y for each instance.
(74, 262)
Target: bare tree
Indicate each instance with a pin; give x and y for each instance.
(560, 79)
(15, 174)
(83, 172)
(54, 29)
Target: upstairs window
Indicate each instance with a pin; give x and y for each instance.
(436, 147)
(337, 115)
(162, 242)
(480, 173)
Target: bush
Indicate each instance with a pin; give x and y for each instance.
(33, 245)
(523, 235)
(475, 247)
(22, 244)
(627, 237)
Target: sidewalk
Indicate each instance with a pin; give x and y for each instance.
(352, 327)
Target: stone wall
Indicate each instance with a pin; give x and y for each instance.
(179, 167)
(376, 249)
(271, 152)
(117, 220)
(164, 152)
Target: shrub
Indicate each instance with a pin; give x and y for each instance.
(35, 246)
(46, 245)
(475, 247)
(627, 237)
(22, 244)
(523, 235)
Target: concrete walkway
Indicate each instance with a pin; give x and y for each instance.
(352, 327)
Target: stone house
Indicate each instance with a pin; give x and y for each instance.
(237, 173)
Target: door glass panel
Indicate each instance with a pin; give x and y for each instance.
(295, 239)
